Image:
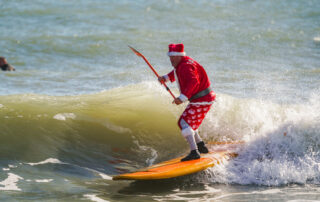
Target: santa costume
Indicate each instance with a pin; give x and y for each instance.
(194, 86)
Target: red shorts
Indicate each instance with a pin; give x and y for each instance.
(193, 115)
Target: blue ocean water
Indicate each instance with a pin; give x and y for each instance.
(257, 49)
(77, 109)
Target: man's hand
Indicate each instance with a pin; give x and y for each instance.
(177, 101)
(161, 79)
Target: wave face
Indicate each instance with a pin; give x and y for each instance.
(134, 126)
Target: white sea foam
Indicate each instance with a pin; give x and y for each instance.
(269, 191)
(94, 197)
(104, 176)
(154, 154)
(9, 166)
(282, 142)
(64, 116)
(183, 195)
(44, 180)
(10, 184)
(49, 160)
(116, 128)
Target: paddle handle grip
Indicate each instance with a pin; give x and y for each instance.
(154, 71)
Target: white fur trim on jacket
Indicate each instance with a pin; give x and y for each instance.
(176, 54)
(201, 103)
(183, 98)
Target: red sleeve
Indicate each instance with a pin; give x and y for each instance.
(171, 76)
(189, 81)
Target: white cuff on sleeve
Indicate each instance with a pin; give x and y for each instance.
(183, 98)
(166, 77)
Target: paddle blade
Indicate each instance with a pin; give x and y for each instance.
(136, 52)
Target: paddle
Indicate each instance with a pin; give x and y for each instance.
(154, 71)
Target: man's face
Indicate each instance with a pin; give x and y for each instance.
(175, 60)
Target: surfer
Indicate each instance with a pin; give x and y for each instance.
(5, 66)
(194, 86)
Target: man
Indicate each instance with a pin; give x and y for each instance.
(5, 66)
(194, 86)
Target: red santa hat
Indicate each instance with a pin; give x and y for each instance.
(176, 50)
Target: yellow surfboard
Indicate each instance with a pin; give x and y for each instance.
(220, 153)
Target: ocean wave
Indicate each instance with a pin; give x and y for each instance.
(135, 126)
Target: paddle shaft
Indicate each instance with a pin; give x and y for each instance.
(154, 71)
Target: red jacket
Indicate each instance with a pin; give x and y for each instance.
(192, 78)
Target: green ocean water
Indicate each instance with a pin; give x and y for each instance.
(81, 107)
